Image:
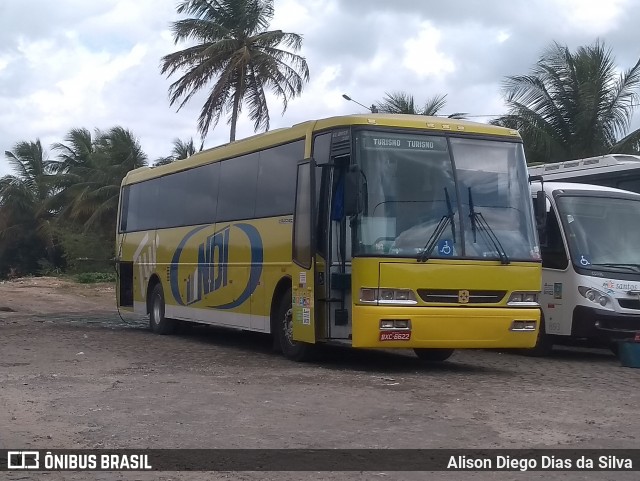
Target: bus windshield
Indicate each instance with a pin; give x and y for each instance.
(594, 227)
(457, 195)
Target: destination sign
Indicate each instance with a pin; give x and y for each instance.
(404, 142)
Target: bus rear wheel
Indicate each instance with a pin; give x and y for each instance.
(157, 320)
(433, 355)
(294, 350)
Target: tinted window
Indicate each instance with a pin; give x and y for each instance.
(554, 255)
(183, 198)
(142, 210)
(238, 179)
(633, 185)
(277, 179)
(322, 148)
(188, 197)
(321, 151)
(124, 208)
(302, 220)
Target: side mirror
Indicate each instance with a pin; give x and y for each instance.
(354, 192)
(541, 215)
(541, 209)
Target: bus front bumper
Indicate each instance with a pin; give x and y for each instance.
(445, 327)
(593, 323)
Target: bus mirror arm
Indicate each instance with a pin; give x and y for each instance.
(536, 178)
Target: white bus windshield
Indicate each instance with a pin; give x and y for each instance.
(602, 232)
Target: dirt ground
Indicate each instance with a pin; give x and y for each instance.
(73, 374)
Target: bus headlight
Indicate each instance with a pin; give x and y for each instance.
(523, 299)
(594, 295)
(387, 296)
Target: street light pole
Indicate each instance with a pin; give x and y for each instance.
(373, 109)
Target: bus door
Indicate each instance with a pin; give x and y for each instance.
(332, 153)
(338, 277)
(555, 298)
(304, 269)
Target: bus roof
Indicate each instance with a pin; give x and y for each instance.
(550, 187)
(300, 130)
(589, 166)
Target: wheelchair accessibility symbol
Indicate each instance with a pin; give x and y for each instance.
(445, 247)
(584, 261)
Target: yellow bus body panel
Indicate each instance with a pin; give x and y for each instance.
(452, 325)
(222, 273)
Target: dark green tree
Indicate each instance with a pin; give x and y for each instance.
(236, 53)
(90, 171)
(573, 105)
(26, 218)
(182, 149)
(404, 103)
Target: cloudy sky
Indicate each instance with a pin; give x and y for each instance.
(73, 63)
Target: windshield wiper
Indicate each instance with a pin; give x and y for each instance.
(629, 267)
(442, 225)
(452, 220)
(478, 222)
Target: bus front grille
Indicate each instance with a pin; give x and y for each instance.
(452, 296)
(629, 303)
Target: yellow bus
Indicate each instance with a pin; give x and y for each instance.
(372, 231)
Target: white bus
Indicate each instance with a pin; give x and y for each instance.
(591, 264)
(621, 171)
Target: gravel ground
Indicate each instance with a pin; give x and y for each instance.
(73, 374)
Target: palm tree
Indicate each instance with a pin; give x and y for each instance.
(573, 105)
(90, 173)
(182, 149)
(24, 198)
(234, 48)
(404, 103)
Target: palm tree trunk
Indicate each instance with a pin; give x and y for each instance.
(49, 242)
(234, 116)
(239, 93)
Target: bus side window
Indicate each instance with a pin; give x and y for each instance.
(633, 185)
(554, 254)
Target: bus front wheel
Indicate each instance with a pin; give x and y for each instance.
(433, 355)
(294, 350)
(544, 343)
(157, 320)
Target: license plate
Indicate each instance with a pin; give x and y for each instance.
(395, 335)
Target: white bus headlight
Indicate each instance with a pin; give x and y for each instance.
(387, 296)
(523, 299)
(594, 295)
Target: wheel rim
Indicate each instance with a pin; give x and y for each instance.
(157, 309)
(287, 326)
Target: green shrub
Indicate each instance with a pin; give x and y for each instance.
(93, 277)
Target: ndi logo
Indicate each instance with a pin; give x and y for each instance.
(23, 460)
(210, 274)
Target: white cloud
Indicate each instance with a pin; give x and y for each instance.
(595, 16)
(503, 36)
(422, 55)
(74, 63)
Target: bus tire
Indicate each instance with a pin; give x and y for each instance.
(294, 350)
(614, 347)
(157, 320)
(544, 343)
(433, 355)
